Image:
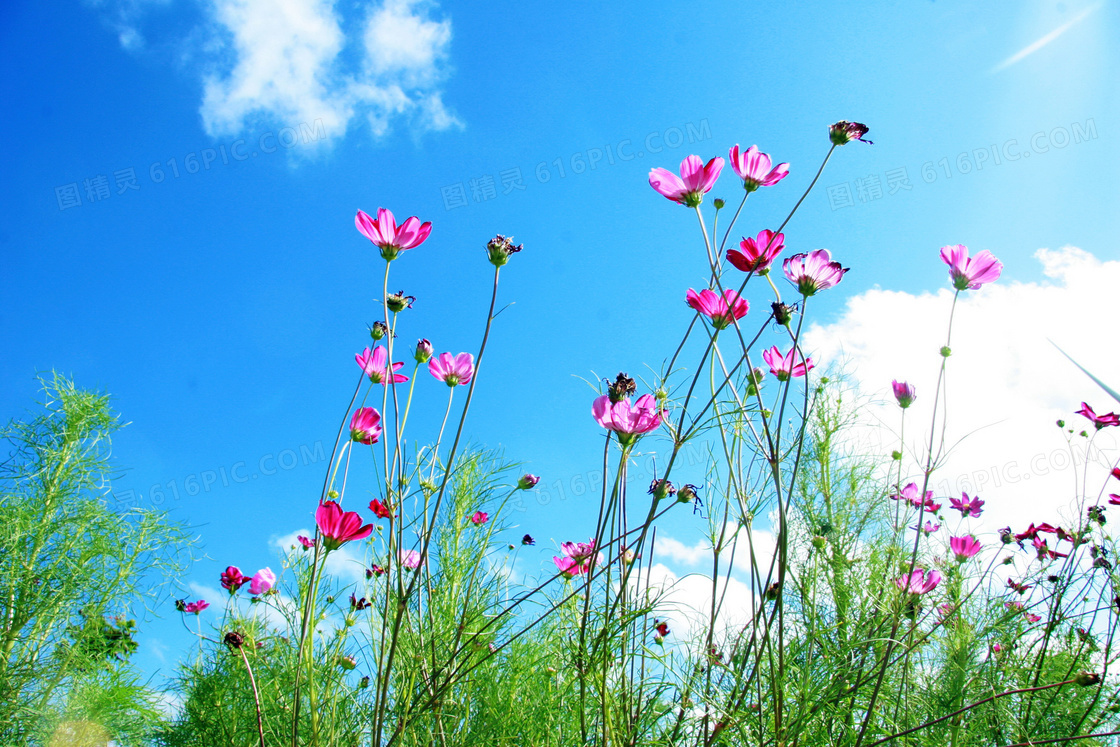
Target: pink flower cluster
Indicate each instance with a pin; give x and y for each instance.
(577, 558)
(233, 579)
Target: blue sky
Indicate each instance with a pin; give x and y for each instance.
(222, 307)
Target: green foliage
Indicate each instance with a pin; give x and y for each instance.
(72, 573)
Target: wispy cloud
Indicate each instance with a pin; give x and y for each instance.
(1043, 41)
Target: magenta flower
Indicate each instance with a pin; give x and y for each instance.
(964, 547)
(1099, 421)
(233, 579)
(527, 481)
(967, 506)
(452, 369)
(1018, 586)
(409, 559)
(307, 543)
(912, 494)
(390, 238)
(758, 253)
(374, 363)
(568, 568)
(970, 274)
(478, 518)
(696, 179)
(628, 422)
(919, 582)
(339, 527)
(380, 510)
(904, 393)
(783, 366)
(193, 608)
(1113, 499)
(813, 272)
(365, 425)
(844, 132)
(1020, 607)
(263, 580)
(754, 169)
(720, 311)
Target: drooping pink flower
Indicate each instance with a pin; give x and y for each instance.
(628, 422)
(929, 528)
(967, 506)
(812, 272)
(478, 518)
(233, 579)
(919, 582)
(338, 527)
(970, 274)
(1044, 552)
(912, 494)
(365, 425)
(1020, 607)
(193, 608)
(904, 393)
(373, 363)
(753, 167)
(390, 238)
(1113, 499)
(1018, 586)
(783, 366)
(844, 132)
(452, 369)
(263, 580)
(1032, 531)
(758, 253)
(964, 547)
(721, 311)
(409, 559)
(696, 179)
(307, 543)
(1099, 421)
(380, 510)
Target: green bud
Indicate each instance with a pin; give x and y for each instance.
(946, 351)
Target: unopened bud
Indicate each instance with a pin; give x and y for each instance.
(332, 494)
(819, 542)
(1088, 679)
(346, 662)
(946, 351)
(527, 481)
(423, 351)
(719, 203)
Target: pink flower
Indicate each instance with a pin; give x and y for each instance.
(783, 366)
(365, 425)
(373, 363)
(390, 238)
(577, 558)
(904, 393)
(845, 132)
(409, 559)
(307, 543)
(813, 272)
(964, 547)
(1020, 607)
(629, 423)
(1099, 421)
(478, 518)
(193, 608)
(758, 253)
(970, 274)
(912, 494)
(997, 649)
(929, 528)
(263, 580)
(754, 169)
(1018, 586)
(919, 582)
(967, 506)
(232, 579)
(1113, 499)
(696, 179)
(721, 311)
(339, 527)
(452, 369)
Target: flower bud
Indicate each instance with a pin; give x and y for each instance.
(363, 683)
(686, 493)
(896, 455)
(423, 351)
(1088, 679)
(1005, 536)
(398, 302)
(719, 203)
(377, 330)
(782, 313)
(346, 662)
(946, 351)
(628, 556)
(181, 605)
(499, 248)
(332, 494)
(819, 542)
(527, 481)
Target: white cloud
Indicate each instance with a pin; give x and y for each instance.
(283, 63)
(1006, 384)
